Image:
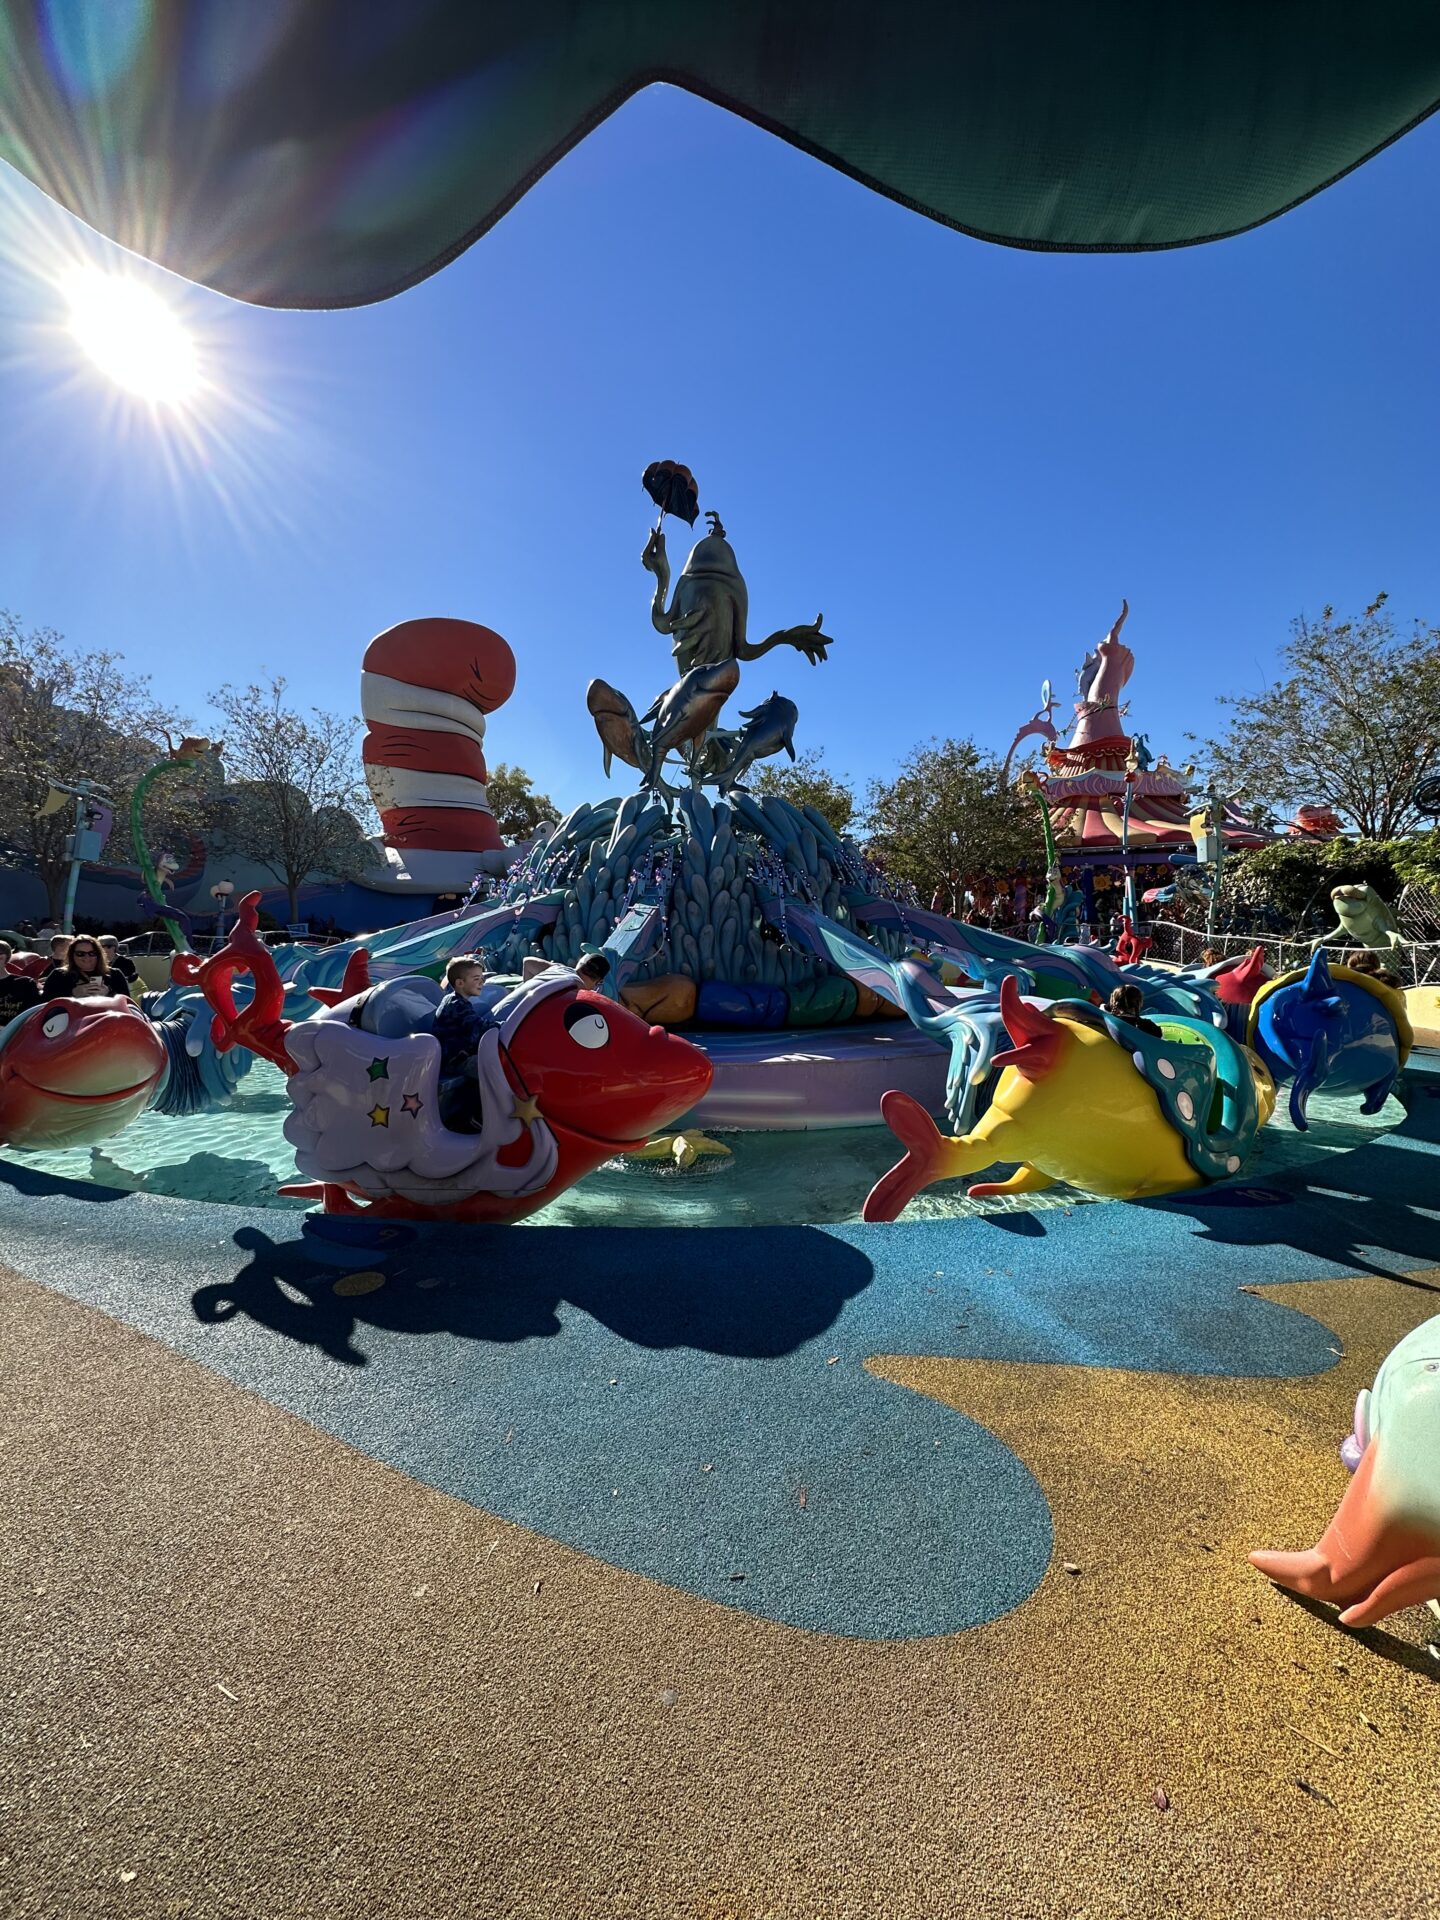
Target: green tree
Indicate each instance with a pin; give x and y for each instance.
(808, 782)
(518, 809)
(1417, 860)
(1353, 722)
(1294, 877)
(66, 714)
(295, 790)
(945, 822)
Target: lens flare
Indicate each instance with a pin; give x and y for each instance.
(132, 336)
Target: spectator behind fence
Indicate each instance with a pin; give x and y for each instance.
(17, 990)
(115, 960)
(84, 975)
(1369, 963)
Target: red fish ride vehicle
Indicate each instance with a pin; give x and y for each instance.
(73, 1072)
(562, 1080)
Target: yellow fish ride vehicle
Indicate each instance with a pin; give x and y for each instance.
(1085, 1097)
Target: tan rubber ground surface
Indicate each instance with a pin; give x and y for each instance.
(246, 1672)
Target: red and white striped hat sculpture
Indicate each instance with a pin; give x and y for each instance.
(425, 689)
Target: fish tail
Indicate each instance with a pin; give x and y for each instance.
(929, 1156)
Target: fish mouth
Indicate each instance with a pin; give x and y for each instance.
(85, 1099)
(603, 1140)
(593, 1139)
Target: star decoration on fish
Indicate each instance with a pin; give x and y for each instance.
(527, 1110)
(379, 1069)
(379, 1116)
(411, 1104)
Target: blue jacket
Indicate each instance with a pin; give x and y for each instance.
(459, 1024)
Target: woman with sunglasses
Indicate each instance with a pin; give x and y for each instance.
(84, 975)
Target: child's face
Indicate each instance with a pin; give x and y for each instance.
(470, 982)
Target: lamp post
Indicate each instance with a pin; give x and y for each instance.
(220, 893)
(84, 842)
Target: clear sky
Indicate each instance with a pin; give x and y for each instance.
(963, 454)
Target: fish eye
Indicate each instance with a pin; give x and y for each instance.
(586, 1027)
(54, 1024)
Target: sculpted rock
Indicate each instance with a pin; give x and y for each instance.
(668, 1001)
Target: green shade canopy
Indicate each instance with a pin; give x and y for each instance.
(324, 153)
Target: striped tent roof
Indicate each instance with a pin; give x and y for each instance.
(1086, 792)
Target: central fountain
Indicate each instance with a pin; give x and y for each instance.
(686, 883)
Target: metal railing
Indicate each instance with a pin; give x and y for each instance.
(1416, 961)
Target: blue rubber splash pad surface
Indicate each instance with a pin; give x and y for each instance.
(660, 1398)
(239, 1155)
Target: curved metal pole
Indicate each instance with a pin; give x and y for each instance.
(1217, 824)
(142, 851)
(1054, 887)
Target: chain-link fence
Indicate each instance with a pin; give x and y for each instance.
(1416, 961)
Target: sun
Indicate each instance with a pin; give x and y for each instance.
(132, 336)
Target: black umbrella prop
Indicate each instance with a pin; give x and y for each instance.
(673, 489)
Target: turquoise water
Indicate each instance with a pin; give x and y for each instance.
(239, 1155)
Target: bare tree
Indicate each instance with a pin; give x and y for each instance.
(66, 714)
(295, 787)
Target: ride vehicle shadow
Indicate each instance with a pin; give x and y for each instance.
(742, 1293)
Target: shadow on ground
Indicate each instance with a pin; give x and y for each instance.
(735, 1292)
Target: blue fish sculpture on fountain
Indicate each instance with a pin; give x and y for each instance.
(1340, 1029)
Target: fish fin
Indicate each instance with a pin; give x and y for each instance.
(790, 746)
(1376, 1096)
(304, 1189)
(1317, 977)
(923, 1159)
(1306, 1573)
(1308, 1078)
(607, 763)
(1367, 1562)
(1036, 1039)
(355, 979)
(1410, 1585)
(1024, 1180)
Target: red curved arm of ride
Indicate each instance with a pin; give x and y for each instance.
(1130, 947)
(261, 1026)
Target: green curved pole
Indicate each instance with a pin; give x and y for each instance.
(1217, 822)
(142, 851)
(1132, 903)
(1054, 887)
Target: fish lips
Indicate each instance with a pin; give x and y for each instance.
(106, 1052)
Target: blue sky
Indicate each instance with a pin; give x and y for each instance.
(964, 455)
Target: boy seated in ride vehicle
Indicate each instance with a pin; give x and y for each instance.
(460, 1019)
